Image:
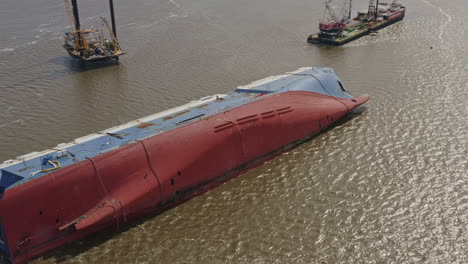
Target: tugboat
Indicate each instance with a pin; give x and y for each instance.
(337, 29)
(90, 44)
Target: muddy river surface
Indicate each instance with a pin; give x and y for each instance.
(387, 185)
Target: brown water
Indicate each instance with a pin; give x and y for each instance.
(389, 185)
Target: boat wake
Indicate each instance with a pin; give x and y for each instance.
(177, 5)
(20, 121)
(178, 12)
(443, 26)
(30, 43)
(151, 24)
(7, 49)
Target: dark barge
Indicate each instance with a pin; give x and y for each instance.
(339, 30)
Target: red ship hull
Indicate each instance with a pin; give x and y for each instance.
(161, 171)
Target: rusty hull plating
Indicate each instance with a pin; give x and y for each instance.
(107, 178)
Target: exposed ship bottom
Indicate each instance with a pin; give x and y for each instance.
(154, 173)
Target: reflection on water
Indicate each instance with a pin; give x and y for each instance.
(386, 185)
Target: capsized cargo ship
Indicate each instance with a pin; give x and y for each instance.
(337, 29)
(107, 178)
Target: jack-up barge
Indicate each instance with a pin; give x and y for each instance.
(90, 44)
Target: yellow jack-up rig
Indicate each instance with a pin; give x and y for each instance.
(90, 44)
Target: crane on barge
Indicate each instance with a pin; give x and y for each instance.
(333, 23)
(338, 28)
(90, 44)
